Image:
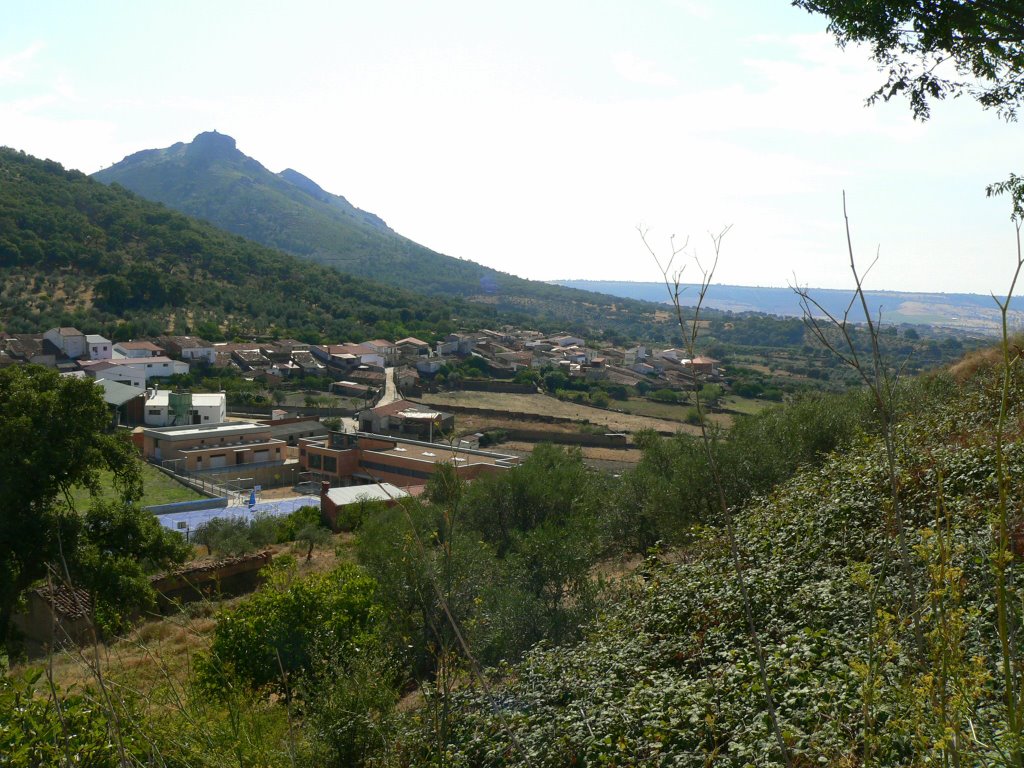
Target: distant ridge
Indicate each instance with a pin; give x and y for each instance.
(967, 311)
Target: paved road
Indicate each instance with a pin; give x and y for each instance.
(390, 390)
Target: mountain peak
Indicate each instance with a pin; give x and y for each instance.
(210, 147)
(213, 140)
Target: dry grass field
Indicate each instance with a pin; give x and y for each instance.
(546, 406)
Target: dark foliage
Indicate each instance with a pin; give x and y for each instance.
(76, 252)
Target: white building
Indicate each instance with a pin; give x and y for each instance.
(135, 372)
(99, 347)
(190, 348)
(137, 349)
(70, 341)
(166, 409)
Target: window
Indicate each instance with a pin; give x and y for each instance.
(315, 460)
(395, 470)
(154, 411)
(331, 464)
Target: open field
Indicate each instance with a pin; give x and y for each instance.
(158, 489)
(745, 404)
(548, 406)
(614, 460)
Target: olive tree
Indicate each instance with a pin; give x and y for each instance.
(52, 438)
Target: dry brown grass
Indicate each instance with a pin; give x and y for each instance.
(543, 405)
(154, 662)
(974, 362)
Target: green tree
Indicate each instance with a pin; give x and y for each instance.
(311, 537)
(52, 438)
(981, 43)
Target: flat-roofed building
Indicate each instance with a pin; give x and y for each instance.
(198, 447)
(99, 348)
(167, 409)
(402, 417)
(334, 501)
(353, 459)
(137, 349)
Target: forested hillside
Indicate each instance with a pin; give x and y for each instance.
(77, 252)
(211, 179)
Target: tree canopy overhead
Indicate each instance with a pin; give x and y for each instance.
(931, 49)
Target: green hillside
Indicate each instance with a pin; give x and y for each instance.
(211, 179)
(74, 251)
(668, 674)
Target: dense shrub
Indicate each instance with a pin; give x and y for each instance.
(276, 634)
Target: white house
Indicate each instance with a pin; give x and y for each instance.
(137, 349)
(349, 354)
(190, 348)
(386, 349)
(456, 344)
(70, 341)
(115, 370)
(136, 372)
(99, 347)
(634, 355)
(167, 409)
(566, 341)
(430, 365)
(679, 356)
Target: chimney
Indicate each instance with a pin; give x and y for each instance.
(325, 486)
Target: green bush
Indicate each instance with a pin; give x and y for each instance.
(289, 526)
(59, 728)
(349, 709)
(274, 635)
(664, 396)
(493, 437)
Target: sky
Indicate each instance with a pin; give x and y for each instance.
(538, 138)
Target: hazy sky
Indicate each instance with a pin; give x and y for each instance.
(535, 137)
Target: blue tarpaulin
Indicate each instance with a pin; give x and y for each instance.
(187, 522)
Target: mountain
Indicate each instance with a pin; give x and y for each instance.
(211, 179)
(966, 311)
(74, 251)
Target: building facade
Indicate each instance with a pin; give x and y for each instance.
(345, 459)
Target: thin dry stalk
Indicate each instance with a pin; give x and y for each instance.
(836, 335)
(691, 330)
(1010, 663)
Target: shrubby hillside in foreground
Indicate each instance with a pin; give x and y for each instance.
(668, 675)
